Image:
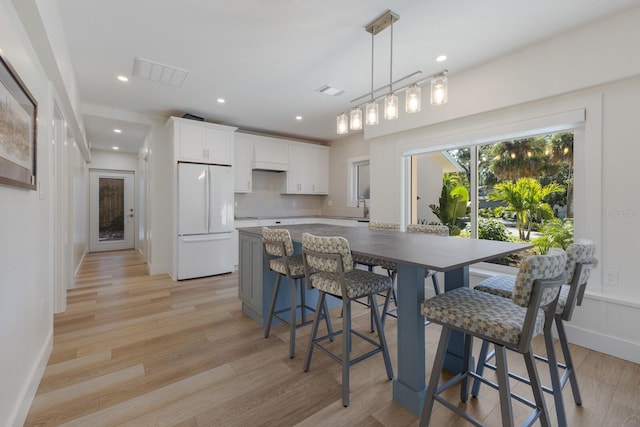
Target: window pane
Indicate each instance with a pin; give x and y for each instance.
(524, 191)
(364, 191)
(111, 210)
(442, 189)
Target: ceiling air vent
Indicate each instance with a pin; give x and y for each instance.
(160, 73)
(330, 90)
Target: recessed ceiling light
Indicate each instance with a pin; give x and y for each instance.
(221, 100)
(298, 117)
(115, 148)
(123, 78)
(441, 58)
(117, 131)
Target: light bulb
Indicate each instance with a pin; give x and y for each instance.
(413, 102)
(372, 113)
(439, 94)
(391, 106)
(342, 126)
(356, 119)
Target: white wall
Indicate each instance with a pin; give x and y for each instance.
(113, 160)
(80, 209)
(341, 151)
(26, 219)
(160, 213)
(578, 70)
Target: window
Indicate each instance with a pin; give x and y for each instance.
(359, 187)
(510, 190)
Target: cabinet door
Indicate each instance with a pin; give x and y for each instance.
(218, 147)
(250, 275)
(270, 152)
(243, 151)
(320, 171)
(298, 179)
(192, 142)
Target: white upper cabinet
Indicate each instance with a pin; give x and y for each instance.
(320, 170)
(308, 169)
(202, 142)
(243, 157)
(270, 154)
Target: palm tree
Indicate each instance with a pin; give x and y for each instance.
(525, 198)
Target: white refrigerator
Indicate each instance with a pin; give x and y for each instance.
(205, 220)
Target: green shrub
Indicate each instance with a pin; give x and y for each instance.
(490, 229)
(555, 234)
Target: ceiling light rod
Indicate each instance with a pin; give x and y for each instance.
(373, 91)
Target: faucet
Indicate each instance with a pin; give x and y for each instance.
(365, 212)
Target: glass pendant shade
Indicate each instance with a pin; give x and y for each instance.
(356, 119)
(413, 101)
(371, 111)
(439, 90)
(342, 125)
(391, 106)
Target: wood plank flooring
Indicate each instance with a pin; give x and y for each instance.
(141, 350)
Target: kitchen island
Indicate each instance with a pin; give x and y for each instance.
(414, 253)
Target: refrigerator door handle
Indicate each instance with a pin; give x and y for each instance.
(207, 204)
(206, 237)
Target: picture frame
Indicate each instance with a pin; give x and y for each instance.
(18, 130)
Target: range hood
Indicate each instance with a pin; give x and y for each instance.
(269, 166)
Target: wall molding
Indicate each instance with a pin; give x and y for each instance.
(28, 393)
(606, 344)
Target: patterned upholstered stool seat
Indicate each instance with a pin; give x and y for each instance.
(391, 267)
(278, 255)
(483, 314)
(436, 230)
(296, 266)
(329, 268)
(507, 323)
(580, 261)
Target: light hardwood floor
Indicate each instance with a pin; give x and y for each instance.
(140, 350)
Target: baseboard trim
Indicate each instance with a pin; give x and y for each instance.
(75, 273)
(157, 269)
(28, 393)
(606, 344)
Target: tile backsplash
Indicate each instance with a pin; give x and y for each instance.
(267, 200)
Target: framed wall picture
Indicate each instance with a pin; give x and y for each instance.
(18, 116)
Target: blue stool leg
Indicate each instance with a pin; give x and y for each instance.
(314, 331)
(276, 288)
(436, 371)
(482, 358)
(292, 319)
(346, 350)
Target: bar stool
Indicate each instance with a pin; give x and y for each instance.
(580, 261)
(438, 230)
(505, 323)
(390, 266)
(278, 255)
(328, 265)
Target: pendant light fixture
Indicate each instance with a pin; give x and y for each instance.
(413, 93)
(343, 127)
(355, 119)
(439, 89)
(413, 99)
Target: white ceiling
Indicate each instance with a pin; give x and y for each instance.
(267, 58)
